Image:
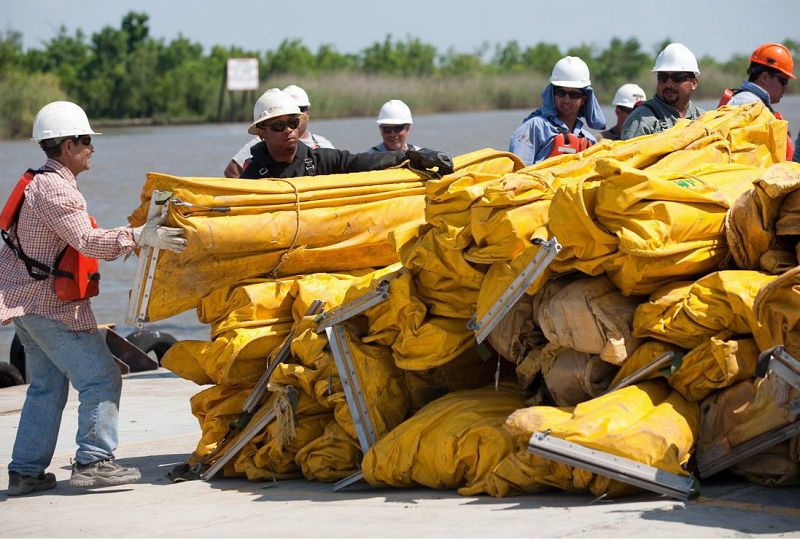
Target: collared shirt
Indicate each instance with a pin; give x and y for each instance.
(312, 140)
(644, 121)
(532, 141)
(53, 215)
(750, 93)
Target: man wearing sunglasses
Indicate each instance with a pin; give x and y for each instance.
(771, 67)
(394, 122)
(559, 125)
(58, 330)
(276, 118)
(312, 140)
(676, 74)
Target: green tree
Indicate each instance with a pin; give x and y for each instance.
(541, 57)
(291, 56)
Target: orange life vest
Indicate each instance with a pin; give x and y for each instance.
(568, 143)
(728, 94)
(75, 275)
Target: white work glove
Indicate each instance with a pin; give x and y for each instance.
(153, 234)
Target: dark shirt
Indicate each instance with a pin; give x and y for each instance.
(311, 162)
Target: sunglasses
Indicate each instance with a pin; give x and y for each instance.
(573, 94)
(394, 129)
(303, 109)
(679, 77)
(280, 125)
(85, 140)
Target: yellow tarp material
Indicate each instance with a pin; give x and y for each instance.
(645, 422)
(777, 466)
(246, 228)
(688, 313)
(589, 315)
(662, 227)
(573, 377)
(777, 307)
(752, 222)
(249, 320)
(419, 341)
(743, 412)
(718, 362)
(453, 442)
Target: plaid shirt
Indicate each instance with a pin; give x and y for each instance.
(53, 215)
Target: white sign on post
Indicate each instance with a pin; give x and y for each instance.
(242, 73)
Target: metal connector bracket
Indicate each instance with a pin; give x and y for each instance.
(356, 401)
(547, 252)
(356, 307)
(259, 391)
(780, 362)
(712, 461)
(640, 374)
(139, 296)
(615, 467)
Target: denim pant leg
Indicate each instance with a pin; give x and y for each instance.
(88, 364)
(44, 403)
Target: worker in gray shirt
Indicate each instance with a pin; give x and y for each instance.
(676, 70)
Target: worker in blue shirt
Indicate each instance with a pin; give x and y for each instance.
(559, 125)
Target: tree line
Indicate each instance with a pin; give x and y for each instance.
(125, 73)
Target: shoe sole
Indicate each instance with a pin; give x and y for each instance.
(104, 482)
(35, 489)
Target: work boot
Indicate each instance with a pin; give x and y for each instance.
(105, 472)
(20, 484)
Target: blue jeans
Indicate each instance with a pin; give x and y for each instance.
(55, 357)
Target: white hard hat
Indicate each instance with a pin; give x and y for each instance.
(60, 119)
(299, 95)
(274, 102)
(394, 112)
(629, 95)
(676, 57)
(570, 72)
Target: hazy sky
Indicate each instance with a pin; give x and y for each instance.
(718, 28)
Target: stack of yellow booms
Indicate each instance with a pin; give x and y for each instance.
(657, 229)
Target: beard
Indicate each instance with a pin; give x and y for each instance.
(671, 98)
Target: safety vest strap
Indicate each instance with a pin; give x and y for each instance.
(76, 275)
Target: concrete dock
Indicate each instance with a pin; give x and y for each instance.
(157, 432)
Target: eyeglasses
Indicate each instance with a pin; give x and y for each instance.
(280, 125)
(85, 140)
(573, 94)
(304, 108)
(627, 110)
(393, 128)
(678, 77)
(783, 80)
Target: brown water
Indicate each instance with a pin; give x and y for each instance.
(123, 156)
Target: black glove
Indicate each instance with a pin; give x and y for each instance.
(425, 159)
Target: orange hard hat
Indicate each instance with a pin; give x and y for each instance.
(776, 56)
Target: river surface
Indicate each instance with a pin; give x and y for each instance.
(124, 156)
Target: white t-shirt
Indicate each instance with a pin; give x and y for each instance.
(311, 139)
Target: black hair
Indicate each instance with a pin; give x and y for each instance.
(755, 69)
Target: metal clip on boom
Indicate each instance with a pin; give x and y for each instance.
(615, 467)
(139, 296)
(776, 360)
(642, 373)
(331, 323)
(547, 252)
